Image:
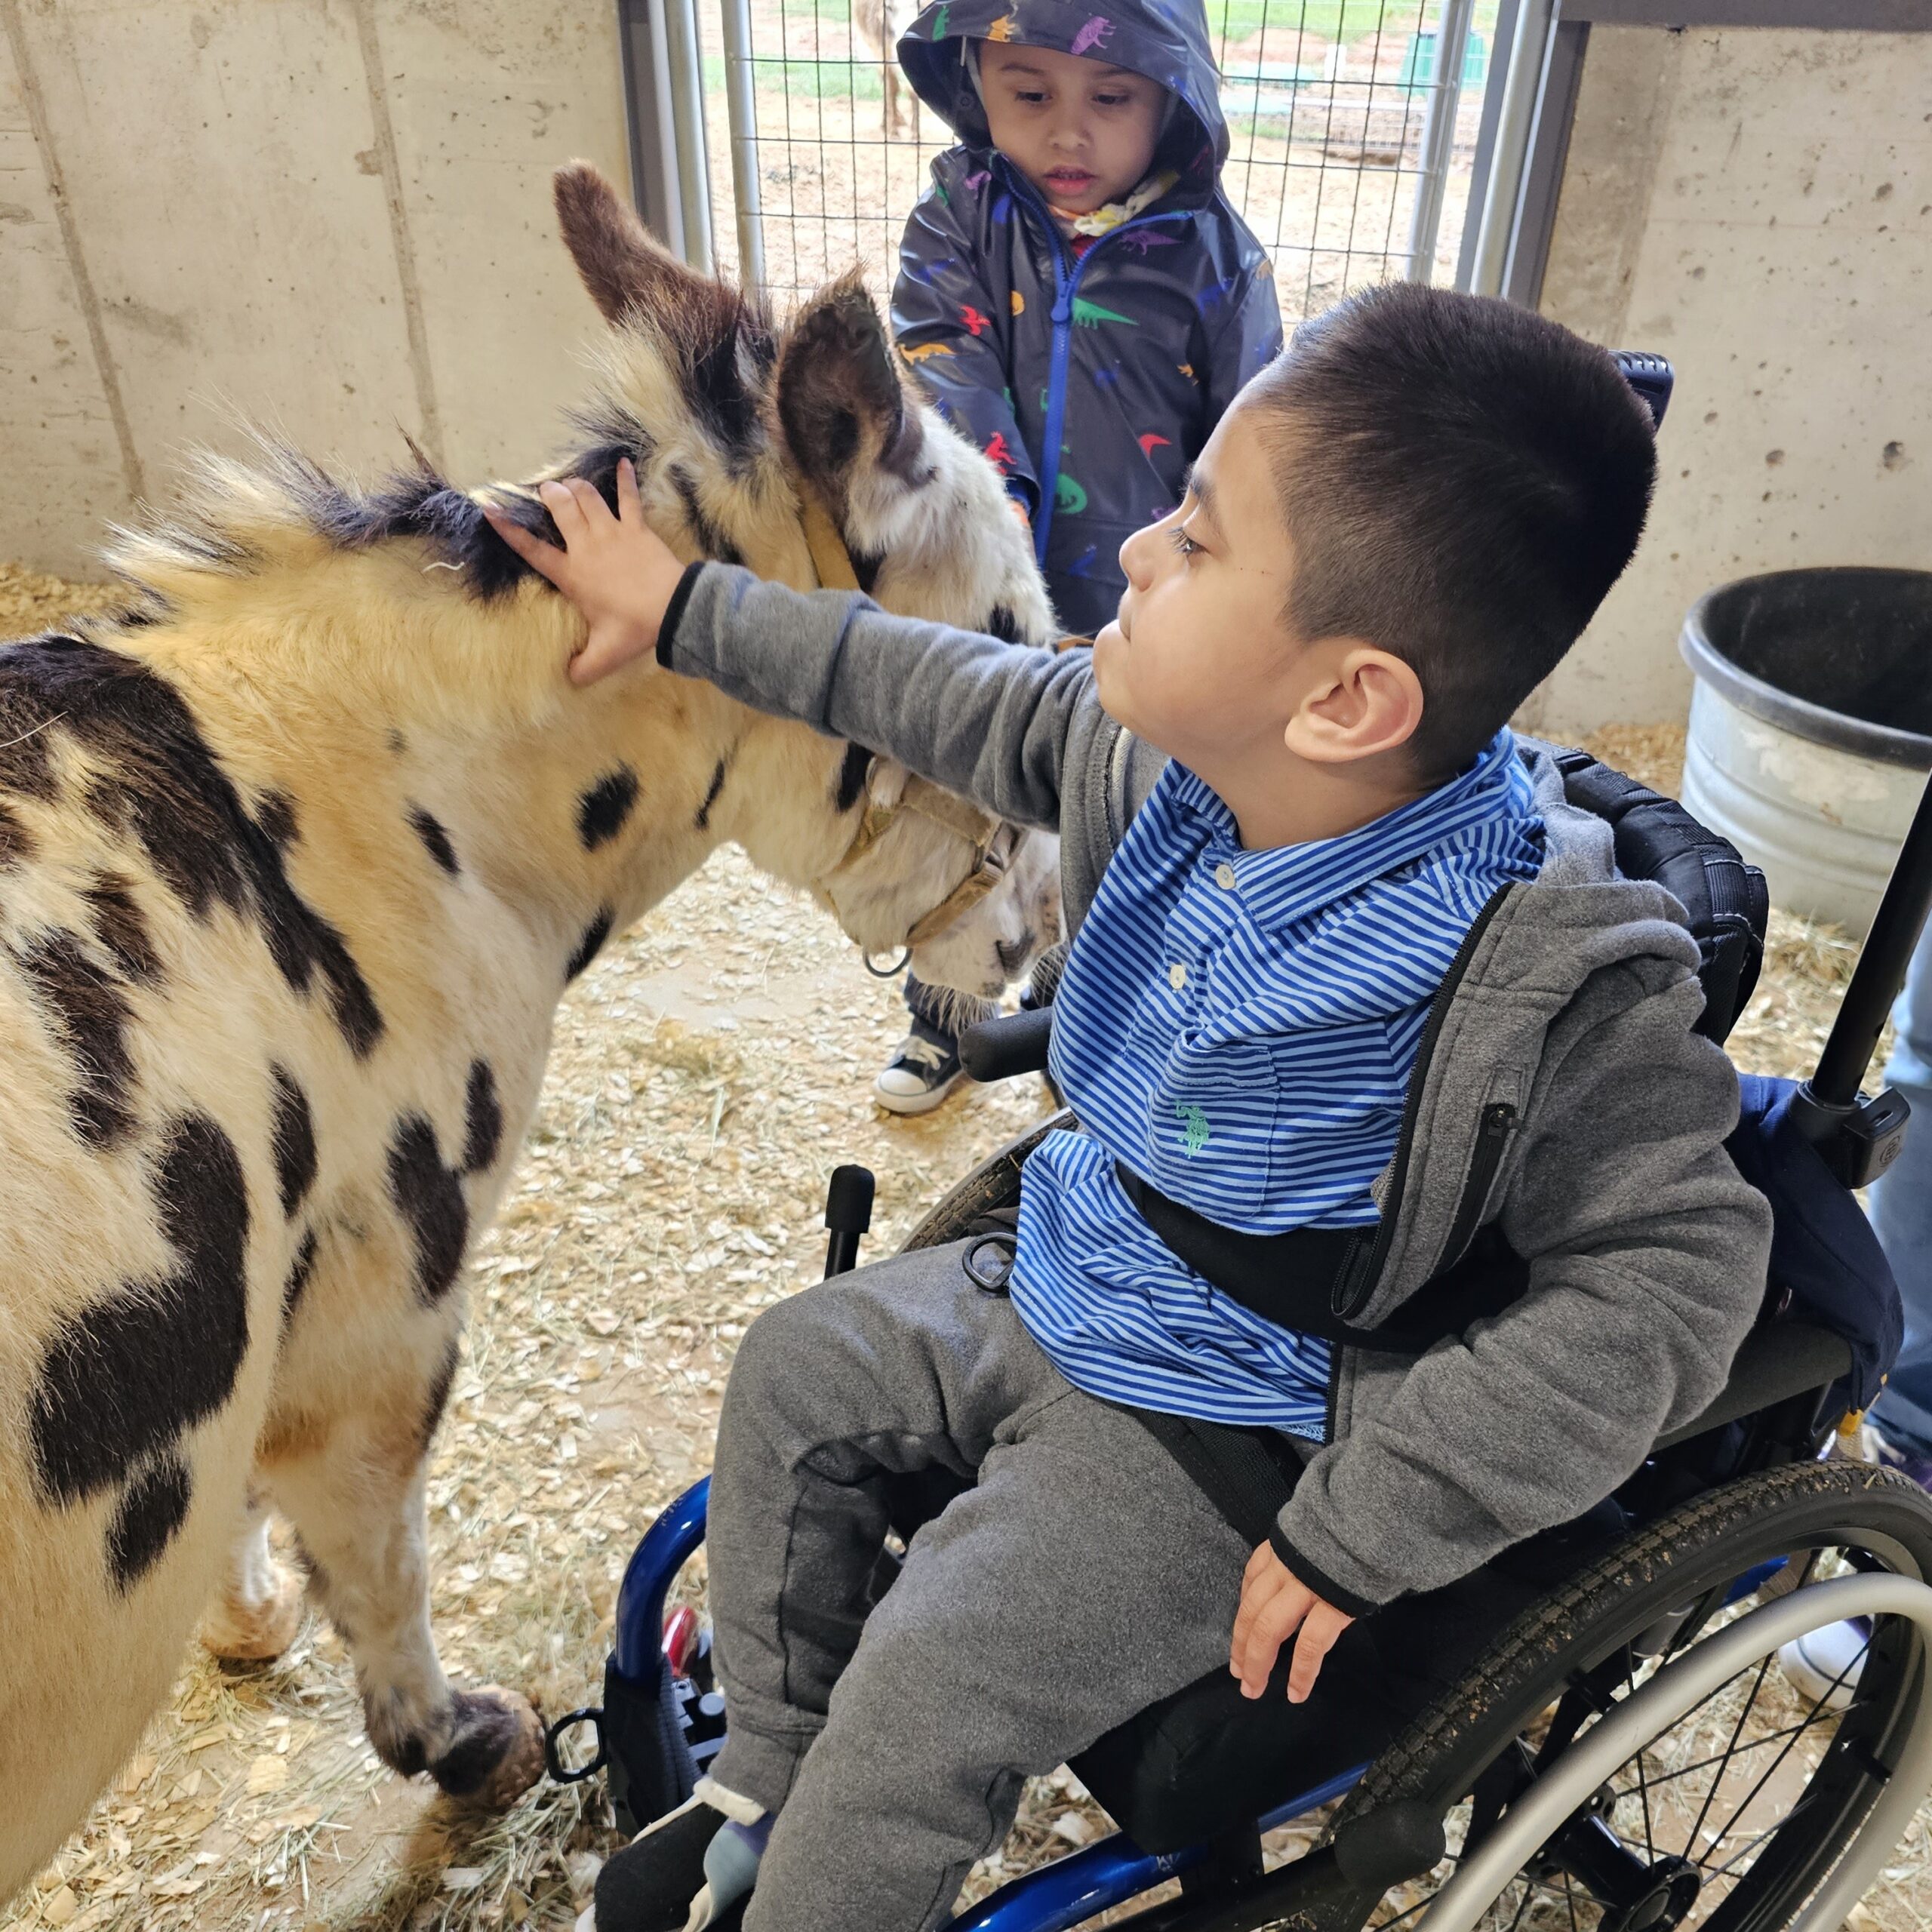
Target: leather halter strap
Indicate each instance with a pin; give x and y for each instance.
(994, 842)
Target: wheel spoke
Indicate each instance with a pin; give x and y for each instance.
(1643, 1791)
(1756, 1744)
(1529, 1891)
(1388, 1924)
(1736, 1730)
(1770, 1832)
(1809, 1716)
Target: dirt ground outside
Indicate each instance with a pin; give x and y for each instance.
(708, 1073)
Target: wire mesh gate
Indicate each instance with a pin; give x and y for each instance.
(1354, 125)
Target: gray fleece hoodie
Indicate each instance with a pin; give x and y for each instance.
(1569, 1023)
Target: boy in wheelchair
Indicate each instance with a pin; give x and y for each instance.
(1398, 1225)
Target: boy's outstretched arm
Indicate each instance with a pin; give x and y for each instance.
(972, 713)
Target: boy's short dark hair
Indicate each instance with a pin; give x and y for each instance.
(1463, 480)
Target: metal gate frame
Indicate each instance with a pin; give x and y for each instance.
(1522, 143)
(1520, 162)
(670, 167)
(664, 77)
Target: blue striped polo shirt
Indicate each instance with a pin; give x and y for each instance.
(1238, 1028)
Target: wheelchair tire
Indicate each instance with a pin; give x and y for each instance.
(993, 1185)
(1570, 1660)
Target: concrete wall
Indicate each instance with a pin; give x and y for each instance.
(332, 216)
(1757, 205)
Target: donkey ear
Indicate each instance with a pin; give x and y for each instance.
(840, 401)
(627, 273)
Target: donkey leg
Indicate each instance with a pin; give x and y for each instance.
(259, 1610)
(357, 1503)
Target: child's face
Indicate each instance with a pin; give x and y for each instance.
(1081, 131)
(1200, 660)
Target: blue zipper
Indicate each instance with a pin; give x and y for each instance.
(1066, 285)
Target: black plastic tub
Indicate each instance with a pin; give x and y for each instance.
(1842, 657)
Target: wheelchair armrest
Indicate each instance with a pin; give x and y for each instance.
(1777, 1362)
(1013, 1043)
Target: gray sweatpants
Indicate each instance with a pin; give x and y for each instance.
(1082, 1578)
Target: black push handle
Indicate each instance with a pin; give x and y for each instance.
(1881, 967)
(1013, 1044)
(848, 1213)
(1861, 1138)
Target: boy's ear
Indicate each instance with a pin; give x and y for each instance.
(841, 404)
(1361, 703)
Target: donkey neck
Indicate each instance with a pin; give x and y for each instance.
(427, 736)
(423, 736)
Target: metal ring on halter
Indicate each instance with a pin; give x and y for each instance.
(891, 972)
(553, 1747)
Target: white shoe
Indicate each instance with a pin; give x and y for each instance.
(922, 1073)
(1825, 1664)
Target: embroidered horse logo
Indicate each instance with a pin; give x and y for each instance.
(1194, 1135)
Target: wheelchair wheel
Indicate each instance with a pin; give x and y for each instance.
(1629, 1756)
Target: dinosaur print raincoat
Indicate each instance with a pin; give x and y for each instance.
(1090, 370)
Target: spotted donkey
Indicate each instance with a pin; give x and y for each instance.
(296, 859)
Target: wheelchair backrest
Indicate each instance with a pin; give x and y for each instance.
(1724, 900)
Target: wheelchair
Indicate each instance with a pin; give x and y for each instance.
(1601, 1740)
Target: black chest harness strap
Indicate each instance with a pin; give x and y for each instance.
(1300, 1280)
(1310, 1278)
(1303, 1280)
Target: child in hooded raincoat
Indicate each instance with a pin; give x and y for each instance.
(1076, 294)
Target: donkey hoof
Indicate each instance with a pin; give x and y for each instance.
(255, 1630)
(496, 1752)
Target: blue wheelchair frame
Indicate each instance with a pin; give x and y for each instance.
(1065, 1893)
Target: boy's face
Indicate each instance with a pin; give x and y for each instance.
(1200, 661)
(1081, 131)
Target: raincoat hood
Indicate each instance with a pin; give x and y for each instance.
(1166, 42)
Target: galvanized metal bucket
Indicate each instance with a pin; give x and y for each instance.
(1811, 727)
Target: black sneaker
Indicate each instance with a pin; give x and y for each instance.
(922, 1073)
(650, 1885)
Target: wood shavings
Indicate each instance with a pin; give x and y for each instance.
(1651, 754)
(30, 602)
